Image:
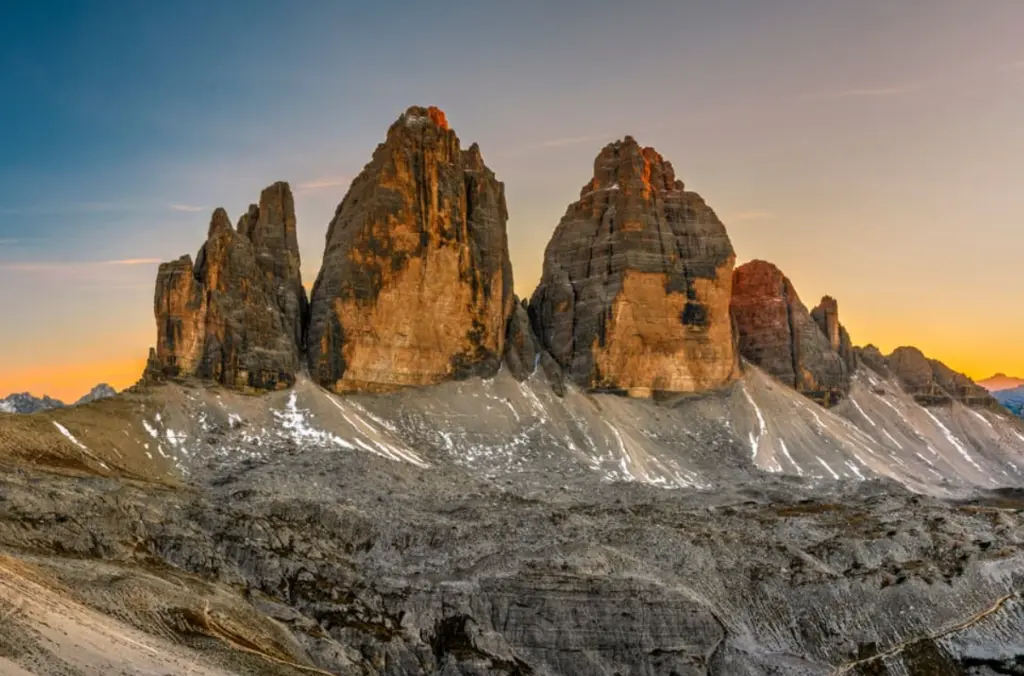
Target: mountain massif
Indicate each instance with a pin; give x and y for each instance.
(23, 402)
(659, 464)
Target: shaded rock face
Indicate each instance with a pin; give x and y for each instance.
(933, 383)
(524, 353)
(776, 332)
(236, 315)
(826, 316)
(634, 297)
(416, 283)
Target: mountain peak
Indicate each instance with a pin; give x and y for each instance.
(634, 296)
(417, 115)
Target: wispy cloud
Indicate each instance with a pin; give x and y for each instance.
(9, 241)
(187, 208)
(571, 141)
(133, 261)
(751, 215)
(54, 266)
(323, 183)
(868, 92)
(1017, 66)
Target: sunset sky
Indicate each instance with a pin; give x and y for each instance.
(873, 150)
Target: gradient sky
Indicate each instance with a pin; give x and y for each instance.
(874, 150)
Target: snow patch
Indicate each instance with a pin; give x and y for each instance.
(150, 429)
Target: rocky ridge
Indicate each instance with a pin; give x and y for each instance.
(776, 332)
(933, 383)
(23, 402)
(634, 296)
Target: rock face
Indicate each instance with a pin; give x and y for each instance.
(236, 316)
(826, 316)
(416, 284)
(634, 296)
(933, 383)
(776, 333)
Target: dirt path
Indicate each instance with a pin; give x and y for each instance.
(900, 647)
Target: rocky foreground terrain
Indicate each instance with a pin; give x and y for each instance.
(659, 465)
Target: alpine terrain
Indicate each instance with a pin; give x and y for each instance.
(661, 463)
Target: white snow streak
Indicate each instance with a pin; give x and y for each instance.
(830, 470)
(150, 429)
(785, 452)
(892, 438)
(71, 437)
(866, 416)
(953, 440)
(853, 467)
(762, 426)
(981, 418)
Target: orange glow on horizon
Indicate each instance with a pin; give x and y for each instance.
(68, 382)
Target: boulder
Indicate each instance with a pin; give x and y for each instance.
(634, 296)
(416, 283)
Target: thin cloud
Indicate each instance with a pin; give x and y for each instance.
(323, 183)
(869, 92)
(1017, 66)
(187, 208)
(571, 141)
(53, 266)
(752, 215)
(133, 261)
(8, 242)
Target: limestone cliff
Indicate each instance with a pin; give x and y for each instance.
(634, 296)
(776, 332)
(416, 284)
(235, 315)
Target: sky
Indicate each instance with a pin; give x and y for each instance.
(873, 150)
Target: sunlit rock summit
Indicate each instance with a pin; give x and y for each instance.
(416, 284)
(634, 296)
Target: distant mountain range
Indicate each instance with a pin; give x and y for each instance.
(1012, 399)
(23, 402)
(1001, 381)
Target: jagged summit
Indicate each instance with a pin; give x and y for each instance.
(416, 284)
(237, 314)
(417, 115)
(635, 290)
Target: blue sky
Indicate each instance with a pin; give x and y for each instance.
(871, 149)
